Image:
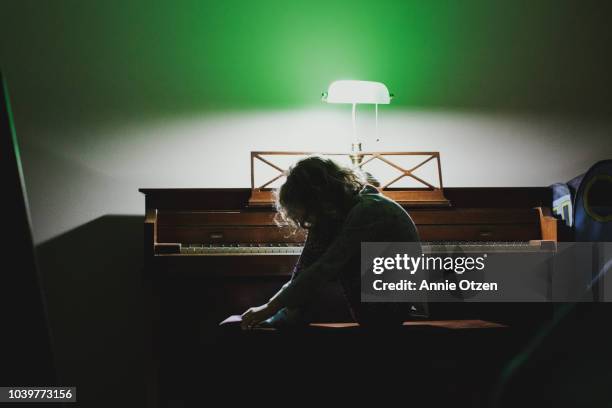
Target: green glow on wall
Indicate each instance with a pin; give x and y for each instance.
(78, 58)
(282, 54)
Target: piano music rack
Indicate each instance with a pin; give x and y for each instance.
(431, 194)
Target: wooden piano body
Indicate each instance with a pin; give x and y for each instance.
(209, 255)
(235, 256)
(181, 223)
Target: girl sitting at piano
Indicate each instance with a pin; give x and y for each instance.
(339, 210)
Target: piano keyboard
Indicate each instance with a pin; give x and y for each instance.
(295, 249)
(242, 249)
(484, 247)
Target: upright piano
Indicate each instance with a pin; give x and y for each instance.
(213, 239)
(209, 254)
(214, 232)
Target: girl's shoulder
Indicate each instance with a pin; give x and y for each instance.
(371, 202)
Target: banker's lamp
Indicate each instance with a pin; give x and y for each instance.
(355, 92)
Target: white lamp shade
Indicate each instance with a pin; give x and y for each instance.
(348, 91)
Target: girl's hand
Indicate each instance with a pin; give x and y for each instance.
(258, 314)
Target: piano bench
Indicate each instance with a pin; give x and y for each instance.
(347, 351)
(445, 336)
(232, 323)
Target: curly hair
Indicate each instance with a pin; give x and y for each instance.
(316, 188)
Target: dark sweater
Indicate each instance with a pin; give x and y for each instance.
(373, 218)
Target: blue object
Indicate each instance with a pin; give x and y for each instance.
(593, 204)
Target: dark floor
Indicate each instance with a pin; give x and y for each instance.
(564, 363)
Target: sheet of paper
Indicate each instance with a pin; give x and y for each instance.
(232, 319)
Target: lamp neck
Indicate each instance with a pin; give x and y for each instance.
(355, 139)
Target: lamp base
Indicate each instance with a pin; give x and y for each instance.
(356, 154)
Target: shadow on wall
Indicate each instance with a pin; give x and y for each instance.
(65, 192)
(96, 295)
